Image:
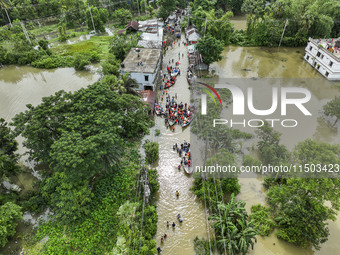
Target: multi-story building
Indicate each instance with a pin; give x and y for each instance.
(144, 66)
(324, 56)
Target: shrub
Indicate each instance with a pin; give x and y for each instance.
(110, 66)
(263, 224)
(151, 151)
(53, 61)
(80, 61)
(122, 16)
(9, 214)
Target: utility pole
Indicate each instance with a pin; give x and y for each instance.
(283, 32)
(205, 26)
(138, 8)
(25, 32)
(94, 28)
(10, 22)
(188, 16)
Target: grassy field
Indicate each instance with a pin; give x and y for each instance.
(44, 29)
(99, 44)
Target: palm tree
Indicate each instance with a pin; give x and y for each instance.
(232, 227)
(246, 234)
(129, 84)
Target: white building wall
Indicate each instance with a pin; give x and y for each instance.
(321, 60)
(140, 78)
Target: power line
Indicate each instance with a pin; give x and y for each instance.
(263, 20)
(205, 201)
(219, 213)
(232, 253)
(94, 28)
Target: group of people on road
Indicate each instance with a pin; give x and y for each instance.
(164, 237)
(174, 112)
(184, 148)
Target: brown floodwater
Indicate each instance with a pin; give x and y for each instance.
(239, 22)
(268, 68)
(25, 85)
(284, 67)
(180, 240)
(21, 85)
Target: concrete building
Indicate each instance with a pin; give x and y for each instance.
(324, 56)
(144, 66)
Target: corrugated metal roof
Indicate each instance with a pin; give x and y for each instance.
(133, 24)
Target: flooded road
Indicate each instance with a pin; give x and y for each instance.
(180, 240)
(25, 85)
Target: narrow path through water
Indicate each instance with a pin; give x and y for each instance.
(180, 240)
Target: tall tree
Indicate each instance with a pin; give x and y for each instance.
(271, 152)
(8, 147)
(123, 16)
(166, 8)
(210, 49)
(81, 132)
(299, 204)
(232, 227)
(99, 17)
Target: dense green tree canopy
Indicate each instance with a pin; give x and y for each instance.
(210, 49)
(306, 18)
(81, 132)
(8, 147)
(121, 45)
(80, 135)
(166, 8)
(9, 214)
(100, 17)
(299, 204)
(271, 152)
(151, 151)
(123, 16)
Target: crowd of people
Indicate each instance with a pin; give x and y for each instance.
(174, 111)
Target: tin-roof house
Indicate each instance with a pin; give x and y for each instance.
(132, 26)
